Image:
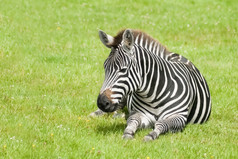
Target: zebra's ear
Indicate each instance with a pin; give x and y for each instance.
(128, 39)
(107, 40)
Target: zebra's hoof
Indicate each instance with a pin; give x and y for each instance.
(127, 137)
(148, 139)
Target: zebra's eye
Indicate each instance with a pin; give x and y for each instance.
(123, 70)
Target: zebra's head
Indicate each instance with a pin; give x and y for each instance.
(120, 71)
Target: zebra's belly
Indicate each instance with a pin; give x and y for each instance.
(160, 110)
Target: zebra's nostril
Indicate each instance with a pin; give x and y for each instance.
(103, 102)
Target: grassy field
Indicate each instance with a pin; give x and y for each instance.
(51, 71)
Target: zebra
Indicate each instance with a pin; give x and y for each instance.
(162, 90)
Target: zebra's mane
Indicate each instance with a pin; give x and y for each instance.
(144, 40)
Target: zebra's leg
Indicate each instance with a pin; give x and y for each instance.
(136, 120)
(174, 123)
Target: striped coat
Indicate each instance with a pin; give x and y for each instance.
(161, 89)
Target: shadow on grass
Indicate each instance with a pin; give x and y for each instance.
(111, 128)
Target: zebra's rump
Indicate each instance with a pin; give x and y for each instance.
(201, 107)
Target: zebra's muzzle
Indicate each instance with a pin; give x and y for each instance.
(105, 104)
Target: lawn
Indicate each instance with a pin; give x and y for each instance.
(51, 71)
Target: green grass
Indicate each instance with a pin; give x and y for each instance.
(51, 71)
